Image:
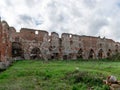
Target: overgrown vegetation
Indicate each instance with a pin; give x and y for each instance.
(115, 57)
(58, 75)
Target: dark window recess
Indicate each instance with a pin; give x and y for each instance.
(36, 53)
(65, 57)
(71, 42)
(100, 54)
(80, 53)
(109, 53)
(17, 50)
(100, 45)
(91, 54)
(55, 56)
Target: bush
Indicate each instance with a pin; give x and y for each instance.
(86, 78)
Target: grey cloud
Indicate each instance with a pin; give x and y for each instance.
(70, 16)
(32, 3)
(61, 18)
(90, 3)
(115, 29)
(56, 14)
(52, 4)
(38, 21)
(76, 11)
(97, 24)
(118, 4)
(25, 18)
(28, 20)
(8, 3)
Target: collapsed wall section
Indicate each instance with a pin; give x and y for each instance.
(5, 45)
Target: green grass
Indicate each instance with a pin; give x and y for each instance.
(58, 75)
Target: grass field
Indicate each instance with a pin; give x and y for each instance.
(58, 75)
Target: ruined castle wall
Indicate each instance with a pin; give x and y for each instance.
(45, 46)
(66, 49)
(5, 43)
(97, 44)
(70, 45)
(88, 44)
(108, 46)
(74, 44)
(117, 47)
(38, 44)
(54, 46)
(29, 39)
(0, 40)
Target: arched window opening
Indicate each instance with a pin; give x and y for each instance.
(80, 53)
(91, 54)
(100, 54)
(36, 53)
(116, 50)
(65, 57)
(55, 56)
(17, 49)
(109, 53)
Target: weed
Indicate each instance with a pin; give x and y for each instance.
(58, 75)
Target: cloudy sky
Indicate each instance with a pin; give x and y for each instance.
(82, 17)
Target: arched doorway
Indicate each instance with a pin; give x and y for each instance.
(109, 53)
(100, 54)
(116, 49)
(17, 50)
(36, 53)
(91, 54)
(80, 53)
(54, 52)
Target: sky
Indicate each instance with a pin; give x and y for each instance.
(81, 17)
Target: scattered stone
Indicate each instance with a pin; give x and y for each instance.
(115, 87)
(113, 83)
(111, 80)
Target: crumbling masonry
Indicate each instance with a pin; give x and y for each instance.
(38, 44)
